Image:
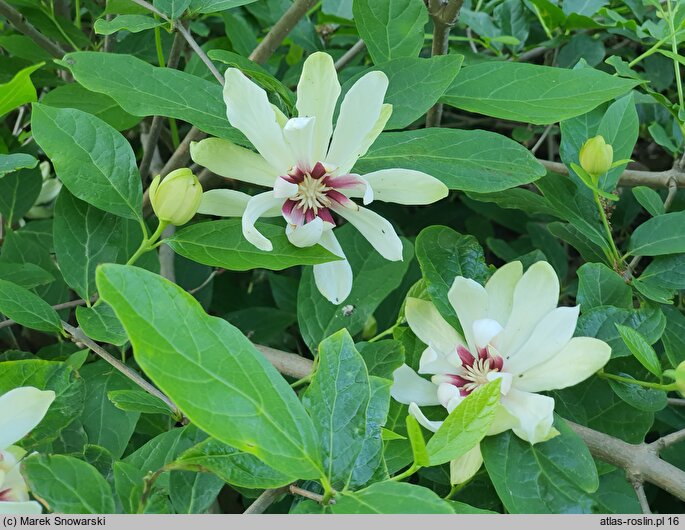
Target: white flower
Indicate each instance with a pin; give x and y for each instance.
(21, 410)
(308, 166)
(514, 331)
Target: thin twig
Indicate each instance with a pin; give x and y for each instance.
(544, 134)
(280, 30)
(639, 488)
(167, 268)
(444, 14)
(209, 278)
(350, 54)
(676, 402)
(669, 440)
(158, 121)
(266, 499)
(200, 52)
(80, 338)
(24, 26)
(631, 177)
(307, 494)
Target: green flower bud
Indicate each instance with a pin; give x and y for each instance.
(596, 156)
(680, 378)
(176, 199)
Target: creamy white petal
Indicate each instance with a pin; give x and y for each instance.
(428, 325)
(415, 411)
(13, 479)
(21, 410)
(470, 301)
(406, 186)
(284, 189)
(262, 205)
(433, 361)
(549, 337)
(359, 114)
(299, 135)
(503, 421)
(534, 412)
(376, 130)
(305, 235)
(376, 229)
(580, 359)
(224, 203)
(500, 288)
(535, 295)
(448, 394)
(484, 330)
(317, 94)
(281, 118)
(506, 380)
(408, 387)
(20, 508)
(467, 465)
(232, 161)
(248, 109)
(333, 279)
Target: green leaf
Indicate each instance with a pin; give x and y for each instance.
(101, 324)
(101, 106)
(172, 8)
(84, 237)
(138, 401)
(391, 29)
(391, 497)
(93, 161)
(673, 337)
(14, 161)
(68, 485)
(599, 285)
(18, 192)
(479, 161)
(415, 85)
(19, 90)
(532, 93)
(640, 348)
(601, 322)
(106, 424)
(46, 375)
(26, 275)
(417, 441)
(649, 199)
(466, 425)
(374, 279)
(222, 383)
(221, 244)
(645, 399)
(665, 274)
(443, 255)
(619, 127)
(339, 400)
(562, 468)
(214, 6)
(27, 309)
(382, 358)
(128, 485)
(131, 23)
(145, 90)
(659, 235)
(233, 466)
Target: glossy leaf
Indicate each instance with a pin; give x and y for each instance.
(26, 308)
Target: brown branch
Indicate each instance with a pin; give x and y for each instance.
(24, 26)
(444, 14)
(266, 499)
(280, 30)
(631, 177)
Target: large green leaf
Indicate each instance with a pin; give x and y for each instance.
(92, 159)
(26, 275)
(415, 85)
(18, 192)
(222, 244)
(130, 23)
(27, 309)
(466, 425)
(443, 255)
(15, 161)
(391, 28)
(665, 274)
(145, 90)
(339, 400)
(549, 477)
(68, 485)
(659, 235)
(599, 285)
(211, 371)
(479, 161)
(391, 497)
(383, 357)
(532, 93)
(18, 91)
(374, 279)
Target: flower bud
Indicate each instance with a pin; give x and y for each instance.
(596, 156)
(176, 199)
(680, 377)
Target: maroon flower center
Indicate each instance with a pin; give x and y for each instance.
(317, 193)
(475, 370)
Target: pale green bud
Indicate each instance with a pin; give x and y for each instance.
(680, 377)
(596, 156)
(176, 199)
